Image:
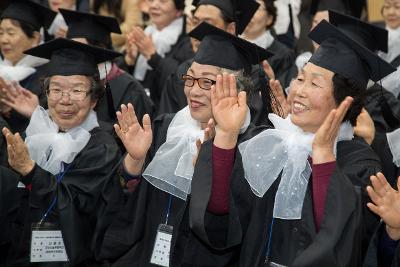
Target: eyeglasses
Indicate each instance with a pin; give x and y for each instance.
(204, 83)
(74, 94)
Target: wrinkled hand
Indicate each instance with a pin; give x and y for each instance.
(325, 137)
(385, 203)
(18, 153)
(280, 105)
(131, 50)
(209, 133)
(136, 139)
(4, 109)
(229, 110)
(143, 42)
(20, 99)
(268, 70)
(365, 127)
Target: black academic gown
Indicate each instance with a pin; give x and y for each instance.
(130, 239)
(342, 235)
(124, 89)
(82, 195)
(282, 62)
(16, 121)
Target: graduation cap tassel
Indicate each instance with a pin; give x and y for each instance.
(110, 100)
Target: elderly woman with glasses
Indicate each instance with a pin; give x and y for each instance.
(65, 162)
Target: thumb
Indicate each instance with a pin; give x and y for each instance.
(398, 183)
(146, 123)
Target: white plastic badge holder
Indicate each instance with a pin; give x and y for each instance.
(47, 245)
(162, 245)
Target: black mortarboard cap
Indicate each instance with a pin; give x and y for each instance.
(90, 26)
(370, 36)
(346, 56)
(239, 11)
(29, 12)
(222, 49)
(68, 57)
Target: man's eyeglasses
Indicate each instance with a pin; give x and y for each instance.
(204, 83)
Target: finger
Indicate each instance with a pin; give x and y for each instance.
(124, 122)
(118, 131)
(146, 123)
(344, 107)
(374, 196)
(213, 96)
(225, 83)
(268, 69)
(211, 126)
(398, 183)
(131, 118)
(377, 186)
(219, 88)
(375, 209)
(120, 119)
(9, 103)
(384, 182)
(206, 134)
(232, 86)
(242, 99)
(326, 125)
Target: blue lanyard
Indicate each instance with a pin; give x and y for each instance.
(269, 240)
(168, 209)
(59, 177)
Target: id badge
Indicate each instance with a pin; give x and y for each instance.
(162, 245)
(47, 244)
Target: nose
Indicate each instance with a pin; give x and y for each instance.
(299, 89)
(65, 98)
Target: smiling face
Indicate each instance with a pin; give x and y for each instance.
(13, 41)
(199, 100)
(391, 13)
(66, 113)
(162, 12)
(312, 97)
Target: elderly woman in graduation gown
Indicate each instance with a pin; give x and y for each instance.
(20, 25)
(161, 197)
(294, 196)
(66, 158)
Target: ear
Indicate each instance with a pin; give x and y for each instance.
(269, 21)
(36, 39)
(231, 28)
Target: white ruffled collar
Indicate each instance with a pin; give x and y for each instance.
(285, 150)
(23, 69)
(171, 169)
(48, 147)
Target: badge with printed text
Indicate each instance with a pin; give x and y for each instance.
(162, 245)
(47, 244)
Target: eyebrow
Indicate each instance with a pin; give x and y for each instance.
(74, 84)
(209, 73)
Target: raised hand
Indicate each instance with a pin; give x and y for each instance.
(365, 127)
(18, 153)
(136, 139)
(268, 70)
(279, 99)
(325, 137)
(229, 110)
(131, 50)
(143, 42)
(209, 133)
(20, 99)
(385, 203)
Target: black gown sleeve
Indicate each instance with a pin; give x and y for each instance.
(82, 195)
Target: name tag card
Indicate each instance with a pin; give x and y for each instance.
(162, 245)
(47, 246)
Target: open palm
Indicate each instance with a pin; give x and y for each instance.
(136, 139)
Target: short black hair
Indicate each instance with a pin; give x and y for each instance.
(343, 87)
(27, 28)
(271, 10)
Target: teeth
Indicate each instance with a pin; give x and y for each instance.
(299, 106)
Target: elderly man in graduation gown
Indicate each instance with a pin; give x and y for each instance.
(65, 162)
(296, 193)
